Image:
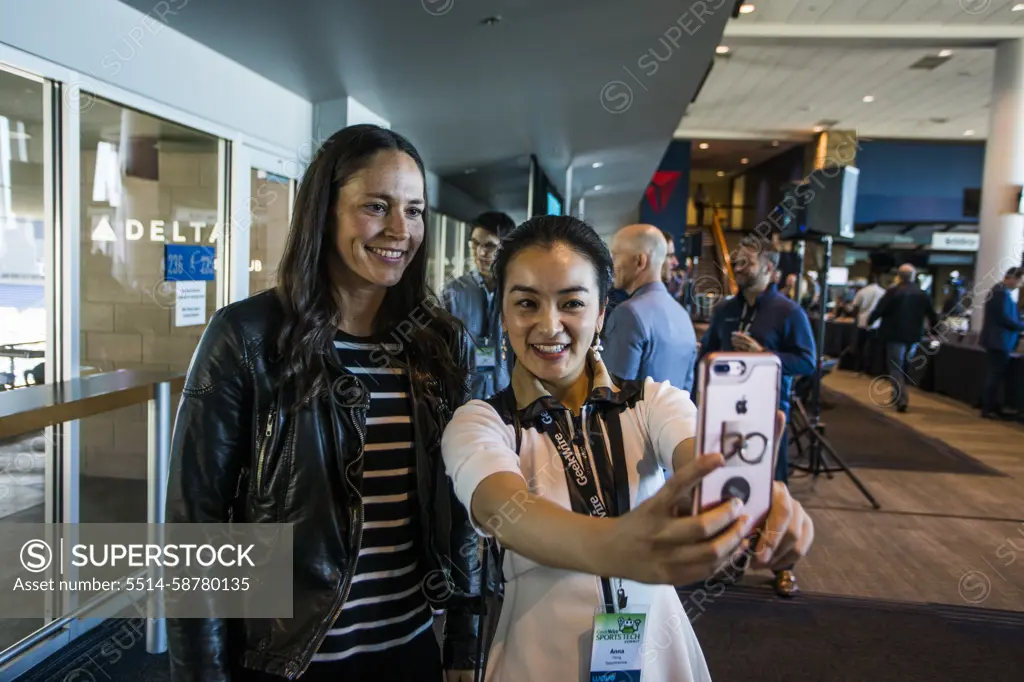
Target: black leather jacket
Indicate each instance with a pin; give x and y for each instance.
(237, 454)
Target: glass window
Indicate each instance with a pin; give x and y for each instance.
(148, 187)
(269, 213)
(23, 267)
(24, 466)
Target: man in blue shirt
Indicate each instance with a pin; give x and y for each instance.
(1000, 332)
(649, 334)
(471, 299)
(761, 319)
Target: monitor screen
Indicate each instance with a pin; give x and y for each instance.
(554, 205)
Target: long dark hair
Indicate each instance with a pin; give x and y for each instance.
(306, 290)
(550, 230)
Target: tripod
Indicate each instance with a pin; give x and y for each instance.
(807, 425)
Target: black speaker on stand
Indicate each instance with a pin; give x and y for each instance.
(819, 210)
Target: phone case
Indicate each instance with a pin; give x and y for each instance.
(736, 416)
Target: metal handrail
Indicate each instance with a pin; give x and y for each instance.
(31, 408)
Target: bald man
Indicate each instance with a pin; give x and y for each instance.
(902, 310)
(649, 334)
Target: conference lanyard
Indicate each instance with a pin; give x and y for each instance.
(747, 322)
(589, 491)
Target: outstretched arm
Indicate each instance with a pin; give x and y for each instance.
(653, 543)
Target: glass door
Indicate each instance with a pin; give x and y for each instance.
(270, 202)
(26, 462)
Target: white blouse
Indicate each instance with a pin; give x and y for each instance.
(544, 632)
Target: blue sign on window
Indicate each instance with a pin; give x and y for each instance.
(186, 263)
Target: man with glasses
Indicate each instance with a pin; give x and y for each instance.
(471, 299)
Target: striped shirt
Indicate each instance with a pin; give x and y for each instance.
(386, 607)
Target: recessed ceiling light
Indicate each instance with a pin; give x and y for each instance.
(721, 174)
(598, 187)
(746, 8)
(818, 129)
(597, 164)
(1018, 7)
(946, 53)
(744, 160)
(722, 49)
(869, 98)
(703, 145)
(968, 133)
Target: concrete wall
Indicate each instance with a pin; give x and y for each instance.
(142, 53)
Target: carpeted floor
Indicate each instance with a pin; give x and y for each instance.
(891, 445)
(747, 635)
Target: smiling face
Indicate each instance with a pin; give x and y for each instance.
(379, 220)
(552, 310)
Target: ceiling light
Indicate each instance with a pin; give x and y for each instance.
(722, 49)
(744, 160)
(703, 145)
(597, 188)
(721, 174)
(946, 53)
(968, 133)
(818, 129)
(869, 98)
(747, 8)
(597, 164)
(1018, 7)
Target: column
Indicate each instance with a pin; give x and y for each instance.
(1000, 226)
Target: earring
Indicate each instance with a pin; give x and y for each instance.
(504, 348)
(597, 347)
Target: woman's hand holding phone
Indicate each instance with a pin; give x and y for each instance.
(654, 544)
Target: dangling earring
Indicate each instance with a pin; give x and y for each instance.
(503, 349)
(597, 347)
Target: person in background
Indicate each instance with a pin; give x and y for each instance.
(790, 289)
(1000, 331)
(902, 311)
(864, 304)
(762, 319)
(611, 534)
(649, 334)
(675, 275)
(471, 299)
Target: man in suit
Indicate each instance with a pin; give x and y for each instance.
(999, 334)
(902, 310)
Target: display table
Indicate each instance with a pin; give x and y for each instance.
(961, 369)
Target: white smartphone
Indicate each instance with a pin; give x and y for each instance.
(739, 398)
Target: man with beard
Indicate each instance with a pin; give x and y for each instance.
(761, 319)
(471, 299)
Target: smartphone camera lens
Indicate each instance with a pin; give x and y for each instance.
(736, 487)
(722, 368)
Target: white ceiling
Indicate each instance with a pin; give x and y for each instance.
(795, 63)
(782, 91)
(993, 12)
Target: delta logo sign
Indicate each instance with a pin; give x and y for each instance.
(659, 191)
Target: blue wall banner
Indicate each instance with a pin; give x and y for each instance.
(667, 195)
(189, 263)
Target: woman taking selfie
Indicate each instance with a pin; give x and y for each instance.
(565, 469)
(320, 404)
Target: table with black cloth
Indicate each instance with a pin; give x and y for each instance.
(961, 369)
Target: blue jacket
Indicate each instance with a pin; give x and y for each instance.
(779, 324)
(651, 335)
(1002, 324)
(467, 298)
